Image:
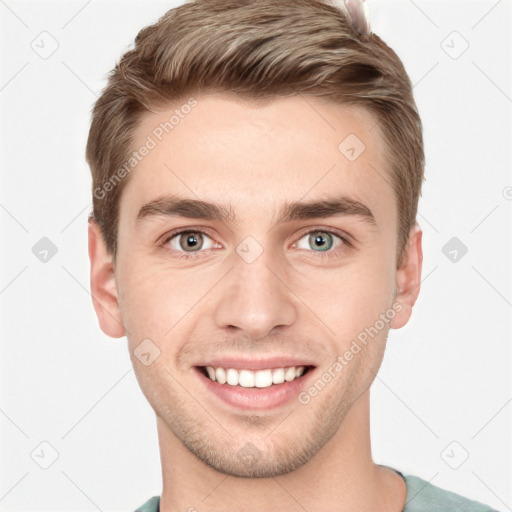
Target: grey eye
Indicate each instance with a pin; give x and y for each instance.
(319, 241)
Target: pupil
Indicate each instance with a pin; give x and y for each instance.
(191, 241)
(320, 241)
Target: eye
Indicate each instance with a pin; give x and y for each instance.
(322, 241)
(189, 241)
(193, 243)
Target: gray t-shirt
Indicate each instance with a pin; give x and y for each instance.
(421, 497)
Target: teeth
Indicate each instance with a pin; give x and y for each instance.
(246, 378)
(251, 379)
(220, 374)
(278, 376)
(289, 375)
(232, 377)
(263, 379)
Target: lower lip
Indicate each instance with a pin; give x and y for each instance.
(257, 398)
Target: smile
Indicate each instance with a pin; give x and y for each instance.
(256, 389)
(254, 379)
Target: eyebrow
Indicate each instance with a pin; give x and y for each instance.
(173, 206)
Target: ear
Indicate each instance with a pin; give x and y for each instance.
(408, 278)
(103, 285)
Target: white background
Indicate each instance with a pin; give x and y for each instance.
(446, 375)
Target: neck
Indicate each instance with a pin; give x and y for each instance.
(340, 477)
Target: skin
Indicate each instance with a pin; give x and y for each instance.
(289, 301)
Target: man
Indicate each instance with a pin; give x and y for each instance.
(256, 174)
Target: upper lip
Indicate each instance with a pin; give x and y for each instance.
(252, 363)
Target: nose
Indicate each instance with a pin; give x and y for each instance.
(255, 298)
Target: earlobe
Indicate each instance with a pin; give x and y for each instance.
(103, 285)
(408, 278)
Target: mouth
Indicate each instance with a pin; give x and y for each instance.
(246, 378)
(255, 389)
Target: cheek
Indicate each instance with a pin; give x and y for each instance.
(352, 297)
(145, 297)
(154, 298)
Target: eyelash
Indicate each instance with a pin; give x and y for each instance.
(322, 254)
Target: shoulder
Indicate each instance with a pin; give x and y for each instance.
(421, 497)
(425, 497)
(152, 505)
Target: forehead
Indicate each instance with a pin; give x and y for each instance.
(256, 155)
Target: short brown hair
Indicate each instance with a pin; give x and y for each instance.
(256, 49)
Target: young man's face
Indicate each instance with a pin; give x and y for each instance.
(258, 289)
